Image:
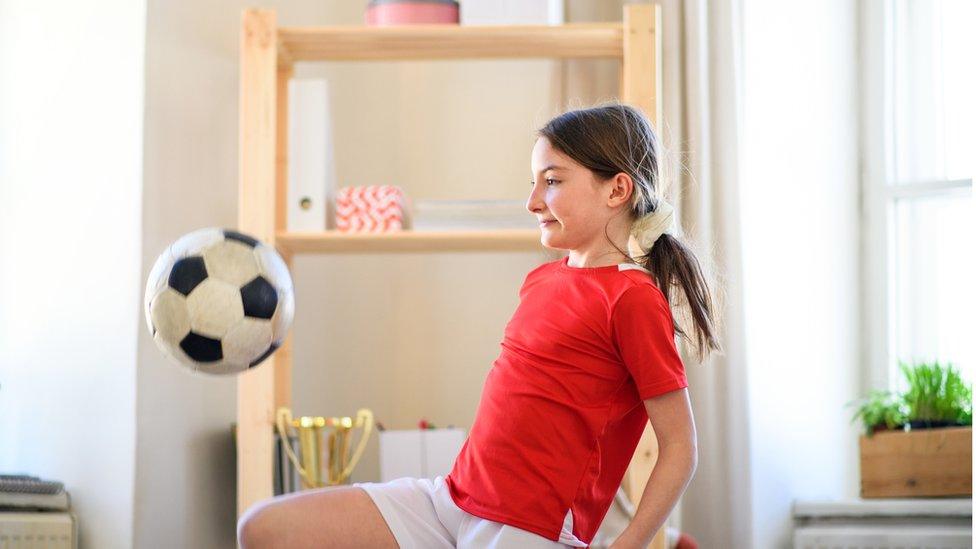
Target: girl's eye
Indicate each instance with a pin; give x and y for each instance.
(549, 181)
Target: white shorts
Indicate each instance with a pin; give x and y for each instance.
(422, 515)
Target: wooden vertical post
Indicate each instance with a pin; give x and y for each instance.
(642, 59)
(283, 356)
(256, 216)
(641, 88)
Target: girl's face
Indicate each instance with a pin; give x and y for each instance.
(567, 199)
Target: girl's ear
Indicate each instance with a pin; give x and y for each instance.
(621, 190)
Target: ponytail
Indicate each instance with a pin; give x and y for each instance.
(674, 266)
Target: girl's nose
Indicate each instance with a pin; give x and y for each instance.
(535, 203)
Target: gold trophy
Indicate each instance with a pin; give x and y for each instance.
(310, 442)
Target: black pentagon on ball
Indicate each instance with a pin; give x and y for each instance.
(264, 355)
(240, 237)
(201, 348)
(187, 274)
(260, 298)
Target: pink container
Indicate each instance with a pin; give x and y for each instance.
(382, 13)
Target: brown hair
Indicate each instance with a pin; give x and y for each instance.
(614, 138)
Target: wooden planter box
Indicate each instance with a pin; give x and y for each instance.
(926, 462)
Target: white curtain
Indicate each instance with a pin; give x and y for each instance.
(702, 67)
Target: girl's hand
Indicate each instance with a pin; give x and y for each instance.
(624, 542)
(618, 545)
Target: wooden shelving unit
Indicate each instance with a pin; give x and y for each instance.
(268, 54)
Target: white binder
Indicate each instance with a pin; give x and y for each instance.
(311, 159)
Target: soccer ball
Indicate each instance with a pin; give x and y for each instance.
(218, 301)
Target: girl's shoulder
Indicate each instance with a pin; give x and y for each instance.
(544, 267)
(640, 286)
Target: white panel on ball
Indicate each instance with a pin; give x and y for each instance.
(169, 315)
(158, 276)
(273, 268)
(246, 340)
(214, 307)
(172, 350)
(192, 243)
(231, 261)
(283, 316)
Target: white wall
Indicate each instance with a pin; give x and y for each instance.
(71, 107)
(800, 227)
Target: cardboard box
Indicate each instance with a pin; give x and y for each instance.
(926, 462)
(419, 453)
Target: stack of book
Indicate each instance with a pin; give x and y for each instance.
(19, 492)
(445, 215)
(287, 479)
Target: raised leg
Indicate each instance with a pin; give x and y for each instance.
(336, 517)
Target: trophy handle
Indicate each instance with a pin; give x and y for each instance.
(282, 422)
(364, 419)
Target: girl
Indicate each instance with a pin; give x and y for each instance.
(587, 358)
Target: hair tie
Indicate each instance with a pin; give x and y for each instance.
(650, 227)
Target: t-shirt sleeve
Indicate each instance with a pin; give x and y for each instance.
(643, 333)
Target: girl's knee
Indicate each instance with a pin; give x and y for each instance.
(254, 528)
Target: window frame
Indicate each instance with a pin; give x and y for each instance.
(878, 197)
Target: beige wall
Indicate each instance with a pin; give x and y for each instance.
(409, 336)
(413, 336)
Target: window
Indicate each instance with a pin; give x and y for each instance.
(919, 141)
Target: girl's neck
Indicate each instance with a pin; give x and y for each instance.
(588, 259)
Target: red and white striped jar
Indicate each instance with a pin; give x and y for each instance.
(371, 209)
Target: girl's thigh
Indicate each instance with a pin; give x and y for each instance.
(333, 517)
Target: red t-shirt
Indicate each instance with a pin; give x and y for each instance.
(561, 411)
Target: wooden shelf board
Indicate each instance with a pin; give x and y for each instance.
(362, 43)
(407, 241)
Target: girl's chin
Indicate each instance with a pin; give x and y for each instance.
(552, 242)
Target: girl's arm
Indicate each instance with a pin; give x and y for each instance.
(671, 417)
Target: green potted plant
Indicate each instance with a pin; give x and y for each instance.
(926, 450)
(880, 411)
(937, 396)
